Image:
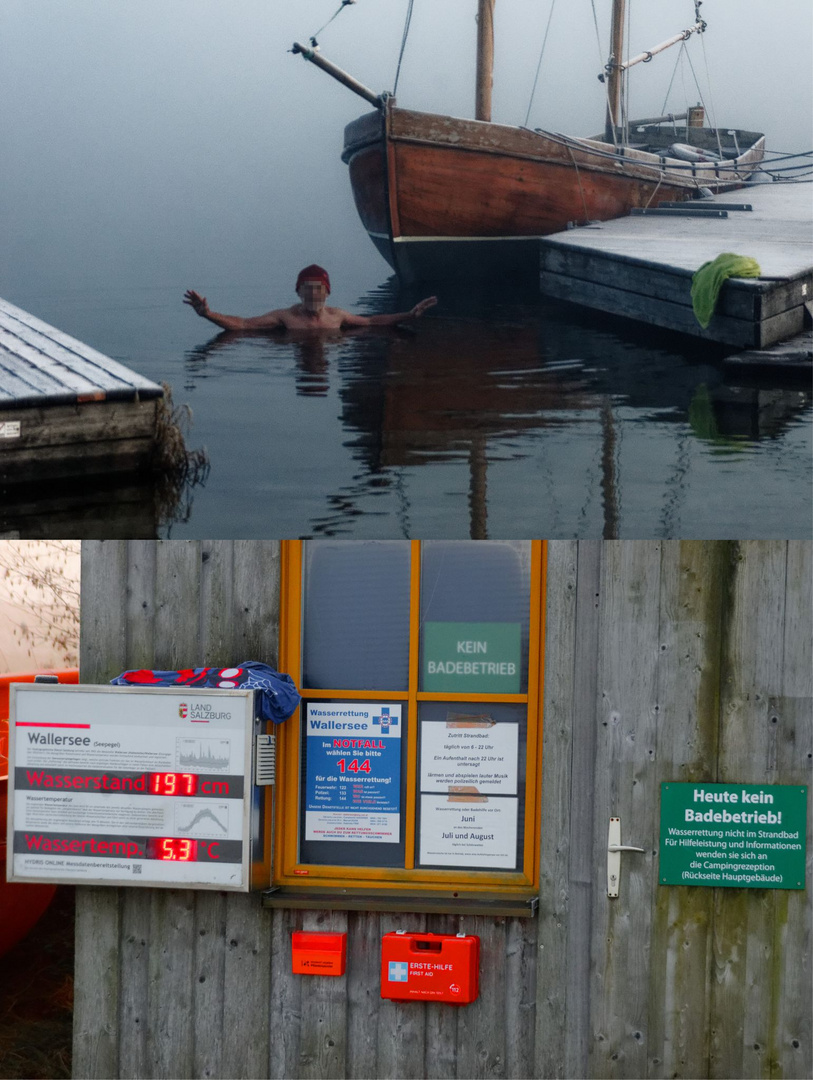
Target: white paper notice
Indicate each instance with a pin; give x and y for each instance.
(482, 757)
(482, 835)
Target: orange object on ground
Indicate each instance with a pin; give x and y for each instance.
(21, 906)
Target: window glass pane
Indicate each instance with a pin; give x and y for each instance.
(352, 783)
(356, 615)
(471, 778)
(475, 600)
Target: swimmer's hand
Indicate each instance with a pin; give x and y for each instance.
(421, 307)
(198, 302)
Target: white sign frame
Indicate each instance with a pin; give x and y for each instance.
(157, 705)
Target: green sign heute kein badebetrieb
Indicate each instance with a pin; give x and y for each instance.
(744, 836)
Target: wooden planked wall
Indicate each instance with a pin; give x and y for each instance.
(677, 660)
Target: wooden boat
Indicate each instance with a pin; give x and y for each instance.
(440, 194)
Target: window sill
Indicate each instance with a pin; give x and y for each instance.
(520, 905)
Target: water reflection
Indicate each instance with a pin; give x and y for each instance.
(546, 421)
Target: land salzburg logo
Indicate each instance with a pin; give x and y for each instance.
(183, 711)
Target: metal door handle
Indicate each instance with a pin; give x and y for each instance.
(614, 849)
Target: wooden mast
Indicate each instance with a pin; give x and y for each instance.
(615, 73)
(485, 59)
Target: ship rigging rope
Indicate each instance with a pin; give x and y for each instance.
(539, 65)
(340, 9)
(407, 21)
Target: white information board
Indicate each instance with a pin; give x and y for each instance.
(130, 786)
(482, 757)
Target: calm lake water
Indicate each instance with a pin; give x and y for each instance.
(492, 416)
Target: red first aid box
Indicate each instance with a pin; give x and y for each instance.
(430, 967)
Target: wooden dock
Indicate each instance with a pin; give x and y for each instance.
(67, 411)
(641, 266)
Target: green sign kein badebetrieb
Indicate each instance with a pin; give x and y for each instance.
(733, 835)
(478, 658)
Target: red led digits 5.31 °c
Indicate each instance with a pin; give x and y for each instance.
(176, 849)
(173, 783)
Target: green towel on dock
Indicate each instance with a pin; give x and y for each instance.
(709, 279)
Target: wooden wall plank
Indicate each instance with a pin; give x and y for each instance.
(97, 990)
(170, 1000)
(135, 906)
(256, 600)
(624, 788)
(246, 987)
(752, 655)
(401, 1026)
(551, 1036)
(140, 593)
(693, 576)
(172, 912)
(323, 1039)
(520, 996)
(208, 978)
(585, 888)
(217, 622)
(285, 1003)
(792, 1032)
(481, 1050)
(136, 942)
(363, 993)
(440, 1049)
(102, 649)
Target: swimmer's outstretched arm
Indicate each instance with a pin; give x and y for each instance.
(389, 320)
(269, 321)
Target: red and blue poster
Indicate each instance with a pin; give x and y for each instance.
(353, 772)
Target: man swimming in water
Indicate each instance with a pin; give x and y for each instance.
(313, 288)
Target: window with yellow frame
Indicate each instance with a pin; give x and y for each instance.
(413, 762)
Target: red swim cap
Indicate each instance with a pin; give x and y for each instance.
(313, 273)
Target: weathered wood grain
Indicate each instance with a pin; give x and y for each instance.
(102, 649)
(792, 1050)
(441, 1033)
(624, 788)
(208, 980)
(363, 994)
(323, 1038)
(481, 1050)
(170, 993)
(285, 1005)
(693, 581)
(401, 1025)
(246, 988)
(744, 983)
(136, 944)
(97, 989)
(564, 572)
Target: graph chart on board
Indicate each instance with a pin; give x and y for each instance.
(203, 755)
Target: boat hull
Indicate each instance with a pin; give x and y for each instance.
(439, 194)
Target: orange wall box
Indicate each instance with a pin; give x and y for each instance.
(318, 953)
(430, 967)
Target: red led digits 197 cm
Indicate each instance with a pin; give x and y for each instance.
(173, 783)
